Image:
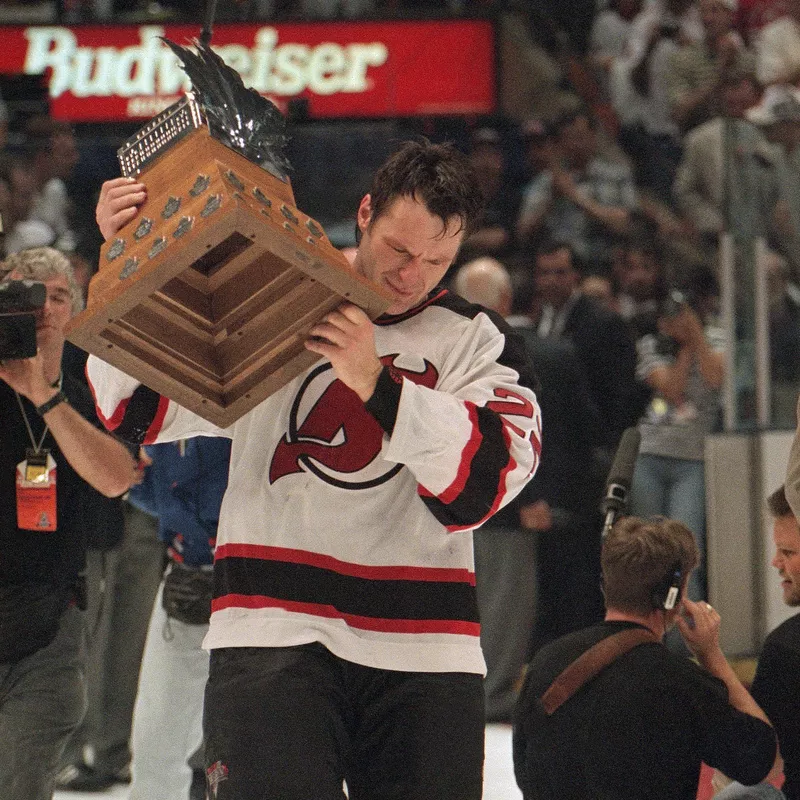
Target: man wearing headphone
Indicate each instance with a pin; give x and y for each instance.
(609, 712)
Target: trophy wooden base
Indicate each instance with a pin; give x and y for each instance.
(208, 295)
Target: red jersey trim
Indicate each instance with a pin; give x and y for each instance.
(158, 421)
(389, 573)
(501, 491)
(112, 422)
(353, 620)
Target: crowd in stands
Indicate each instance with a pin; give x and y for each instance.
(608, 180)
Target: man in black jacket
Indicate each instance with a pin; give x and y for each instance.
(602, 341)
(55, 459)
(643, 723)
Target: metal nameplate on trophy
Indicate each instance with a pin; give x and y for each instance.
(208, 295)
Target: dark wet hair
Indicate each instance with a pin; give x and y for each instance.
(438, 175)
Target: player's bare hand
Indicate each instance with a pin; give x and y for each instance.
(346, 338)
(118, 204)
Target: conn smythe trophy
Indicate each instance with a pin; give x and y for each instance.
(208, 295)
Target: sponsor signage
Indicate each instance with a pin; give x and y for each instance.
(343, 69)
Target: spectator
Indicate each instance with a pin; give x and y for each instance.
(683, 365)
(650, 135)
(505, 553)
(53, 154)
(778, 115)
(583, 198)
(601, 290)
(754, 15)
(21, 231)
(776, 686)
(695, 72)
(52, 443)
(641, 283)
(778, 49)
(636, 720)
(700, 181)
(539, 146)
(609, 37)
(495, 235)
(677, 18)
(602, 342)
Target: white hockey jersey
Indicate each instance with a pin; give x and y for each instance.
(337, 530)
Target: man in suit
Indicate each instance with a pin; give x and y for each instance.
(602, 341)
(699, 187)
(537, 562)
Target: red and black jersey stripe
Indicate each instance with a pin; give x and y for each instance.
(139, 418)
(402, 599)
(480, 485)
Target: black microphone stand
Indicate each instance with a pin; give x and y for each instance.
(616, 503)
(208, 25)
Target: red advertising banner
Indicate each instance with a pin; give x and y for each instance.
(344, 69)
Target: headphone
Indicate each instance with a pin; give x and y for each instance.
(665, 594)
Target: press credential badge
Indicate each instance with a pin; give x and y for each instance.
(36, 492)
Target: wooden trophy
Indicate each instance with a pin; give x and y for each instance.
(208, 295)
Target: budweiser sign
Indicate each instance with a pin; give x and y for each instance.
(98, 73)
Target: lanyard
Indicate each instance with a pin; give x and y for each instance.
(36, 448)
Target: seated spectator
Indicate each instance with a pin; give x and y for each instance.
(699, 187)
(601, 290)
(609, 36)
(682, 362)
(636, 721)
(495, 236)
(778, 48)
(3, 124)
(752, 16)
(17, 192)
(539, 146)
(52, 156)
(539, 152)
(695, 71)
(582, 198)
(778, 115)
(649, 135)
(641, 282)
(776, 686)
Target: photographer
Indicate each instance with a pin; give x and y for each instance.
(682, 363)
(56, 458)
(609, 712)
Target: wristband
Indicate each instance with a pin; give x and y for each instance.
(56, 399)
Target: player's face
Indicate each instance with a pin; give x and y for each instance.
(786, 535)
(406, 251)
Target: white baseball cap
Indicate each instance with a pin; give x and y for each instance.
(779, 103)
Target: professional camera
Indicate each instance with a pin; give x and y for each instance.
(19, 300)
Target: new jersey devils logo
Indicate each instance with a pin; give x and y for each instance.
(333, 436)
